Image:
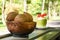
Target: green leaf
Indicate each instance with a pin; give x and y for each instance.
(28, 1)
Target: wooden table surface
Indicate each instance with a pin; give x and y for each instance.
(36, 34)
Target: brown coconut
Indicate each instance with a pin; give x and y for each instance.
(21, 28)
(11, 16)
(20, 18)
(29, 18)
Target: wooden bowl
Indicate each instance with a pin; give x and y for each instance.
(21, 28)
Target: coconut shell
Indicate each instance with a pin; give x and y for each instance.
(11, 16)
(29, 18)
(20, 18)
(21, 27)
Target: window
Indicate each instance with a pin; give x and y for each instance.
(3, 28)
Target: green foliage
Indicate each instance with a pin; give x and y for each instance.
(34, 6)
(28, 1)
(0, 7)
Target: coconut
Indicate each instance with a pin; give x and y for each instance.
(29, 18)
(11, 16)
(20, 18)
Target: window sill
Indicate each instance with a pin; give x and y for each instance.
(4, 32)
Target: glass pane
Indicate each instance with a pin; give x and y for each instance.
(54, 7)
(54, 13)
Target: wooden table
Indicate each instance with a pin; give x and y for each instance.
(38, 34)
